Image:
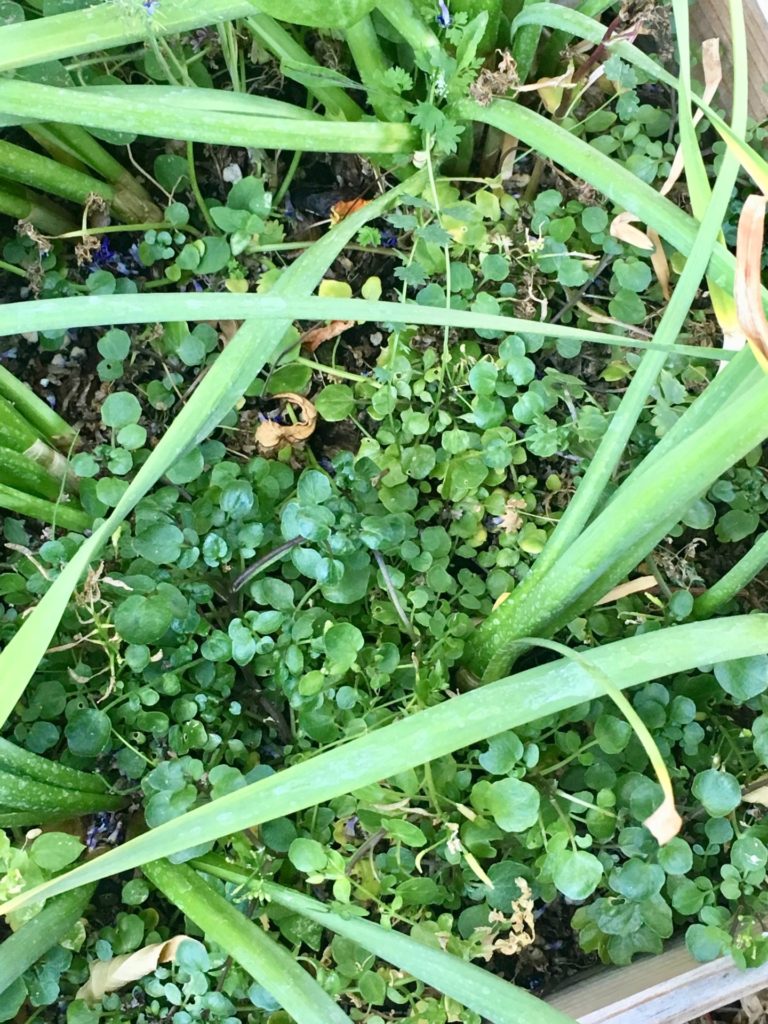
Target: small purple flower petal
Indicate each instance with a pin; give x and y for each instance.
(444, 16)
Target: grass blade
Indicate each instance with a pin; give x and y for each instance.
(425, 736)
(268, 963)
(93, 108)
(496, 1000)
(104, 26)
(86, 311)
(41, 933)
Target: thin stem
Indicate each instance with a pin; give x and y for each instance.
(196, 189)
(726, 588)
(288, 177)
(37, 412)
(292, 55)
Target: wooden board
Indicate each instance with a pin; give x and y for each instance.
(710, 18)
(671, 988)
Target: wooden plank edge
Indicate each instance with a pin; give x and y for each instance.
(710, 18)
(671, 988)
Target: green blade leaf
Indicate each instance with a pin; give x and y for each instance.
(317, 13)
(41, 933)
(493, 998)
(55, 314)
(247, 125)
(425, 736)
(268, 963)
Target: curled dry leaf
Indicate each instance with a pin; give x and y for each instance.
(635, 586)
(747, 290)
(345, 207)
(665, 823)
(713, 76)
(623, 229)
(313, 338)
(757, 795)
(111, 975)
(271, 436)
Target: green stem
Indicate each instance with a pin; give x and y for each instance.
(15, 431)
(292, 56)
(94, 155)
(87, 106)
(489, 995)
(104, 26)
(55, 149)
(364, 45)
(30, 168)
(402, 15)
(60, 515)
(24, 794)
(37, 412)
(201, 204)
(24, 204)
(23, 474)
(288, 177)
(745, 570)
(609, 453)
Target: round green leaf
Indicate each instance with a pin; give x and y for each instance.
(513, 804)
(52, 851)
(314, 487)
(307, 855)
(749, 854)
(88, 732)
(143, 620)
(335, 402)
(676, 857)
(119, 409)
(719, 792)
(577, 873)
(159, 543)
(743, 678)
(187, 468)
(636, 880)
(343, 642)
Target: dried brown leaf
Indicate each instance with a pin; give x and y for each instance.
(511, 520)
(747, 289)
(622, 228)
(111, 975)
(313, 338)
(659, 263)
(713, 76)
(630, 587)
(665, 823)
(345, 207)
(271, 437)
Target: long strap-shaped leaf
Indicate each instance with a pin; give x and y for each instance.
(493, 998)
(712, 213)
(94, 108)
(603, 173)
(251, 348)
(41, 933)
(106, 25)
(427, 735)
(267, 962)
(88, 311)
